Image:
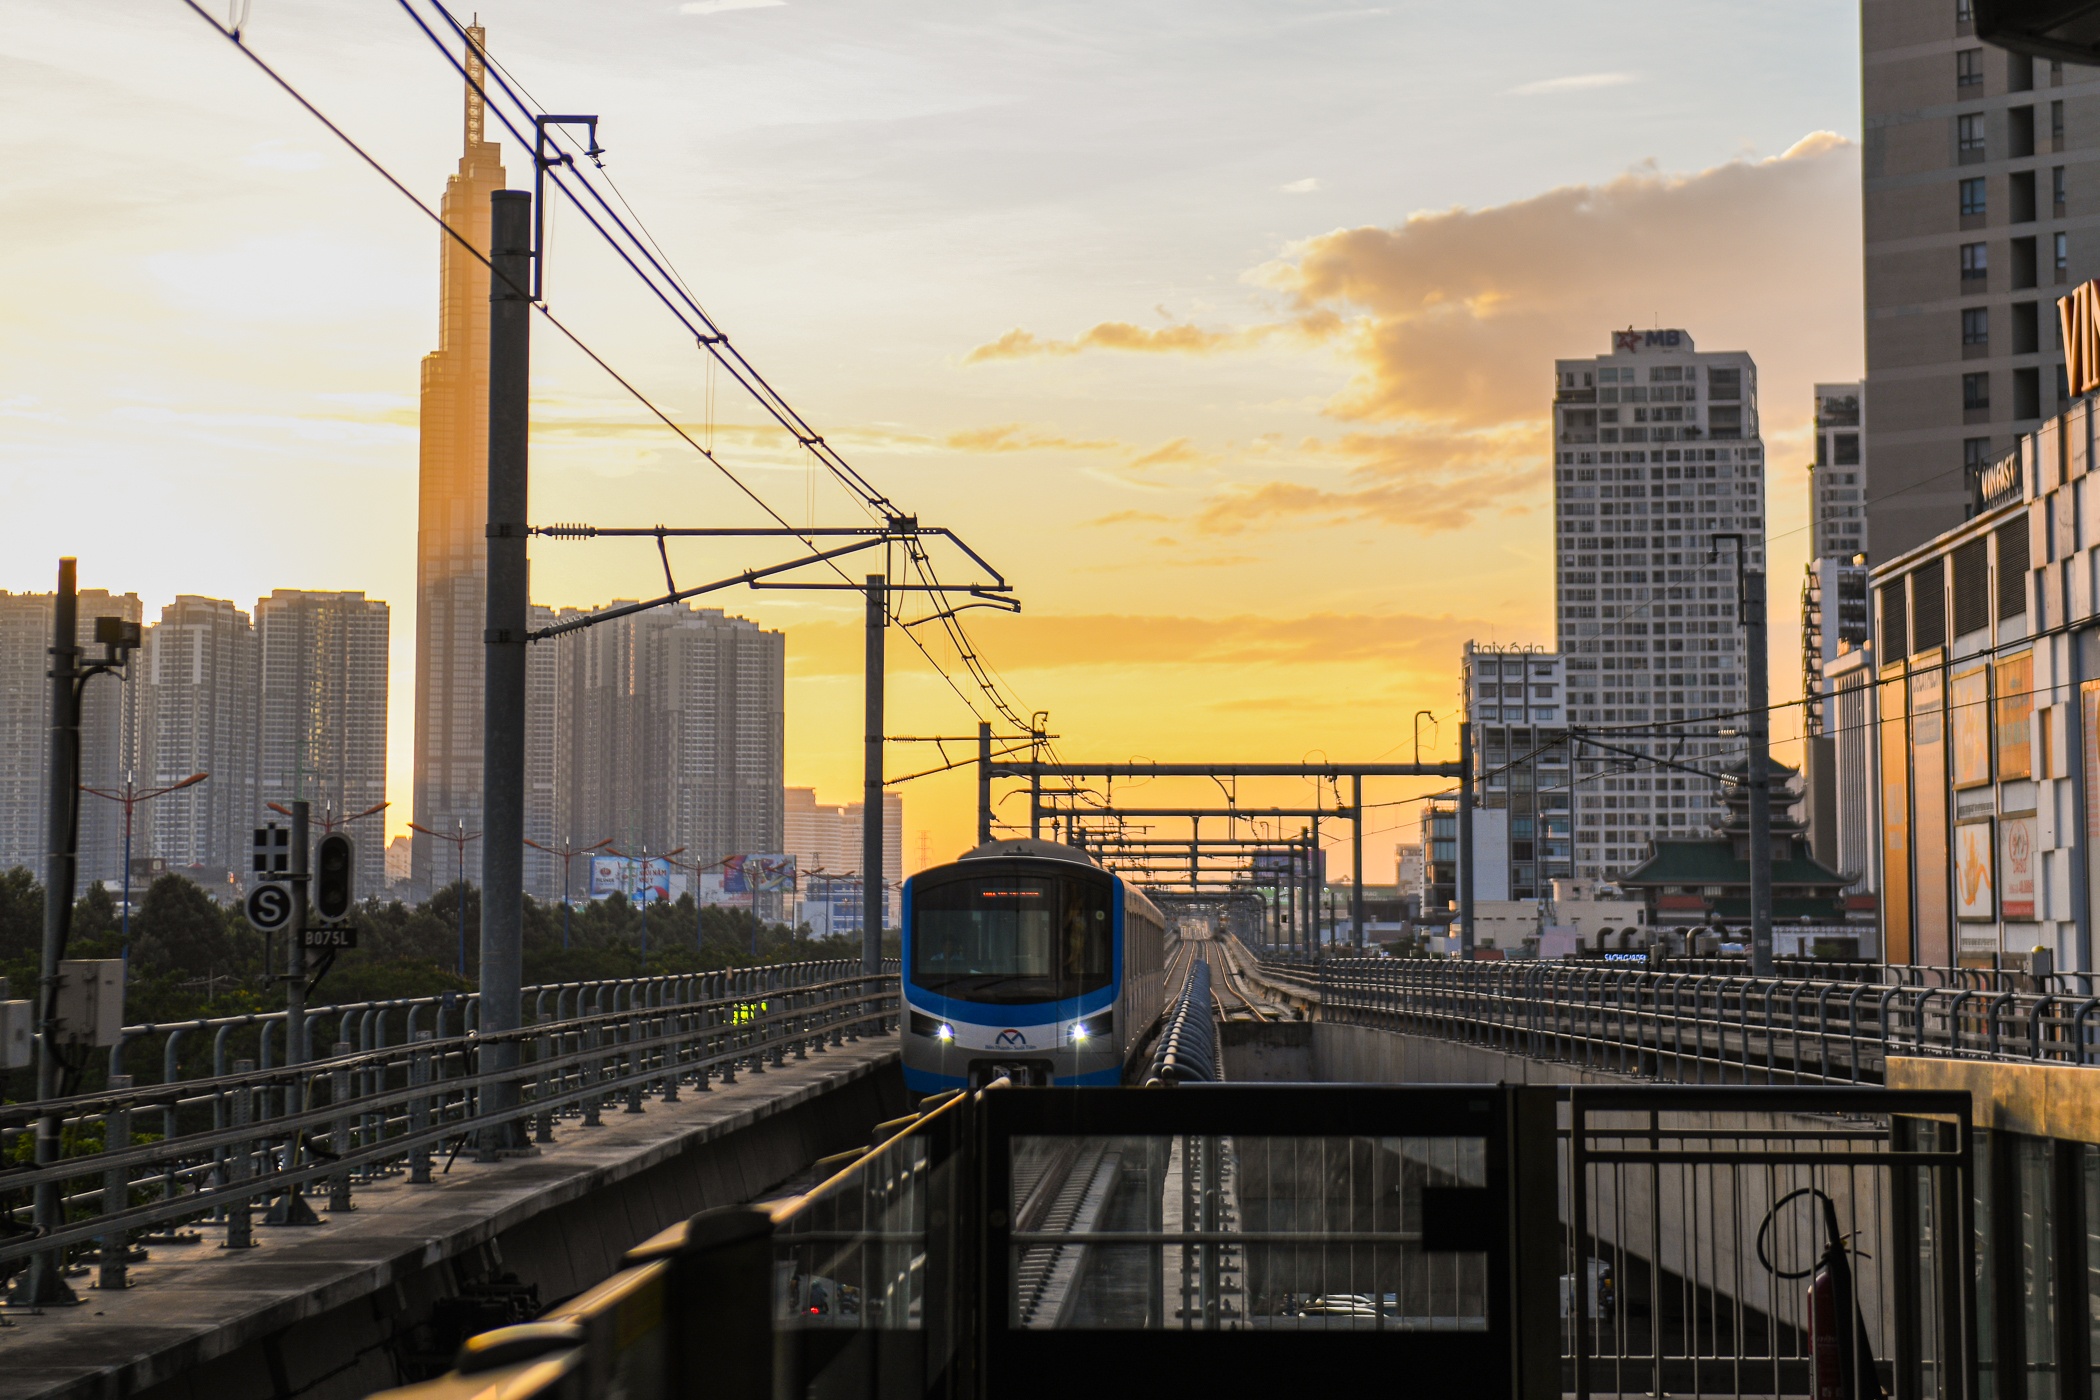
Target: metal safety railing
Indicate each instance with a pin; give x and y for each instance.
(1526, 1241)
(1701, 1027)
(214, 1147)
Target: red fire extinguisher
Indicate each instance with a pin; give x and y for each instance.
(1841, 1355)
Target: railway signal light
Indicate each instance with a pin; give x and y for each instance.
(336, 863)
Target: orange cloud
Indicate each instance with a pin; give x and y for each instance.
(1455, 315)
(1014, 437)
(1167, 455)
(1018, 344)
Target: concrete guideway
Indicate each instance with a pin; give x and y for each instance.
(327, 1310)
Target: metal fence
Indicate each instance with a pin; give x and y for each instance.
(1754, 1241)
(1523, 1241)
(1699, 1028)
(217, 1146)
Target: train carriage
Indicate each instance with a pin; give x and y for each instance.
(1027, 959)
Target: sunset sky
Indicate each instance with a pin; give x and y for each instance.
(1223, 329)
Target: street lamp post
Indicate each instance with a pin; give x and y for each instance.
(645, 858)
(459, 840)
(131, 797)
(567, 854)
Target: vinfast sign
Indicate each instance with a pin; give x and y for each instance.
(2079, 314)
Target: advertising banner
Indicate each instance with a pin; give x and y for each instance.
(1969, 716)
(1975, 883)
(643, 881)
(759, 874)
(716, 894)
(2016, 861)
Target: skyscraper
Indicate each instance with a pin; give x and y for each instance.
(199, 693)
(661, 730)
(322, 668)
(452, 503)
(108, 733)
(1656, 452)
(1976, 176)
(1834, 592)
(1516, 701)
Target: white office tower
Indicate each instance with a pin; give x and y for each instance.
(1656, 454)
(199, 690)
(322, 671)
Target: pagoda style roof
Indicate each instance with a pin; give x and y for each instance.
(1712, 861)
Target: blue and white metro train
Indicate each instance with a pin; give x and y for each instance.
(1027, 959)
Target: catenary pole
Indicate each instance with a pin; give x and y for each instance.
(1465, 840)
(503, 685)
(984, 781)
(1356, 863)
(871, 786)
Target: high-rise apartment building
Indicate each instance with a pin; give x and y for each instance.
(108, 734)
(452, 502)
(1516, 699)
(1657, 452)
(201, 698)
(826, 839)
(662, 730)
(1976, 175)
(1834, 592)
(321, 665)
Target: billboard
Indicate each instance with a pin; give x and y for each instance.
(758, 874)
(716, 894)
(643, 880)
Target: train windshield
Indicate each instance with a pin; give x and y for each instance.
(1012, 938)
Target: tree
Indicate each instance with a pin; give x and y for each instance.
(181, 930)
(21, 915)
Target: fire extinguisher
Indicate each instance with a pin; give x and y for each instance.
(1841, 1355)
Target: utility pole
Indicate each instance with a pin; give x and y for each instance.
(503, 644)
(1750, 611)
(1356, 864)
(1465, 839)
(871, 788)
(46, 1284)
(984, 781)
(1753, 606)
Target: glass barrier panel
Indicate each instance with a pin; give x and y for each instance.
(853, 1255)
(1219, 1233)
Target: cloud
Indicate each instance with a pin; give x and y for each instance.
(1574, 82)
(1450, 321)
(1015, 437)
(1167, 455)
(716, 7)
(1114, 517)
(1018, 344)
(1453, 314)
(1305, 186)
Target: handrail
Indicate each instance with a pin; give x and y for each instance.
(251, 1130)
(1700, 1024)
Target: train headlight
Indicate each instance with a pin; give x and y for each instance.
(1079, 1031)
(945, 1033)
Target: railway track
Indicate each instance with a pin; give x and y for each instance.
(1227, 989)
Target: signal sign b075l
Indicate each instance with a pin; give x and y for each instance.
(335, 862)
